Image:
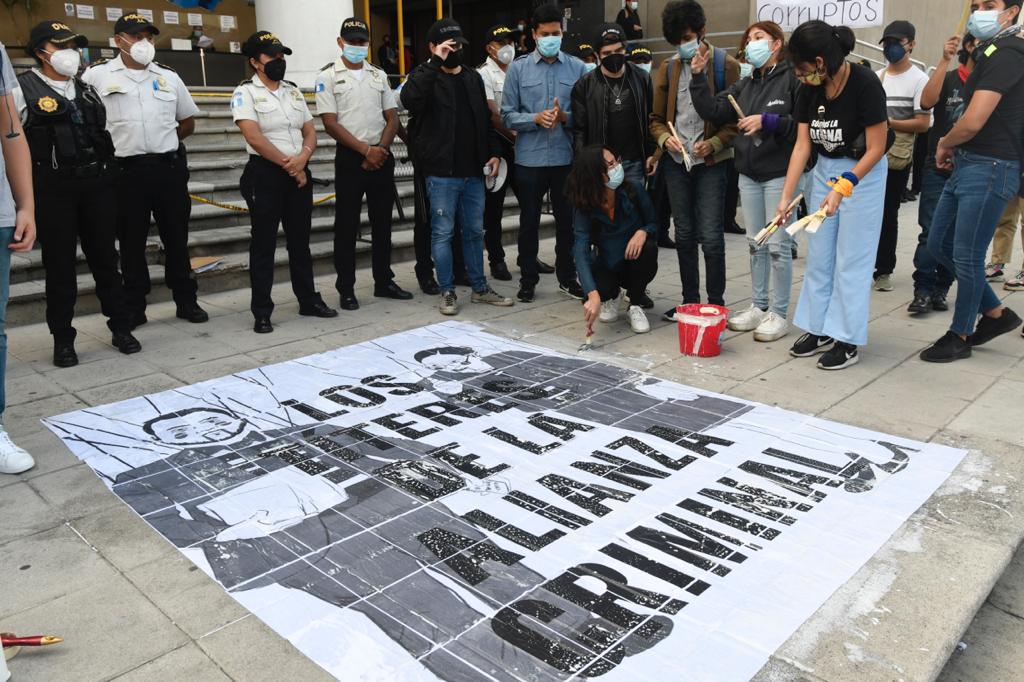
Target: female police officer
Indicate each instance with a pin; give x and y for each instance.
(278, 129)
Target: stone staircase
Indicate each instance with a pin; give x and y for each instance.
(216, 157)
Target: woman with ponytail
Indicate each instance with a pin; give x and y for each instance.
(763, 149)
(841, 113)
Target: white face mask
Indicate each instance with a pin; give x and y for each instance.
(634, 6)
(142, 52)
(505, 54)
(66, 62)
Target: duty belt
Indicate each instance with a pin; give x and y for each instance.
(149, 159)
(87, 170)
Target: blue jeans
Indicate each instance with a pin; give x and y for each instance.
(697, 198)
(635, 171)
(929, 276)
(972, 202)
(836, 293)
(774, 258)
(6, 235)
(462, 200)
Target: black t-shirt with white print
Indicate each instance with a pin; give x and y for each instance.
(836, 124)
(999, 70)
(946, 111)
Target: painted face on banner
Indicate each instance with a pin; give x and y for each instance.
(457, 360)
(199, 426)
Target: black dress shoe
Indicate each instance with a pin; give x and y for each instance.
(499, 271)
(192, 312)
(392, 290)
(938, 302)
(543, 268)
(318, 309)
(430, 287)
(734, 228)
(138, 319)
(526, 293)
(262, 325)
(665, 242)
(64, 354)
(349, 301)
(125, 342)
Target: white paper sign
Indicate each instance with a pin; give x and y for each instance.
(114, 13)
(441, 502)
(172, 18)
(85, 12)
(791, 13)
(195, 19)
(69, 9)
(227, 23)
(146, 13)
(235, 47)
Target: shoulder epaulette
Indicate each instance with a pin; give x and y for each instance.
(247, 81)
(328, 65)
(164, 66)
(290, 83)
(97, 63)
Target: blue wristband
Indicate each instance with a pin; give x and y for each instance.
(854, 180)
(770, 122)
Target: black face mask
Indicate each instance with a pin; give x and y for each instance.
(614, 62)
(963, 55)
(275, 69)
(453, 60)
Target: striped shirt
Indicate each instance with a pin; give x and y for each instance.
(903, 93)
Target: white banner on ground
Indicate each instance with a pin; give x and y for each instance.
(791, 13)
(445, 504)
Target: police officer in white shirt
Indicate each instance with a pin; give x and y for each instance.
(500, 53)
(360, 112)
(149, 113)
(279, 134)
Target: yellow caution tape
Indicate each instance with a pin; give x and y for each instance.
(243, 209)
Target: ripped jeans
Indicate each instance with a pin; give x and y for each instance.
(771, 261)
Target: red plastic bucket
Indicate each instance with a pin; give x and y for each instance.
(700, 328)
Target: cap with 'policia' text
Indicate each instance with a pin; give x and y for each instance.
(56, 32)
(499, 32)
(355, 29)
(263, 42)
(133, 23)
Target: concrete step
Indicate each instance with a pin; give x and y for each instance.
(27, 303)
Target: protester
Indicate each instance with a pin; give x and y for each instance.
(537, 104)
(74, 173)
(613, 106)
(943, 95)
(763, 149)
(387, 57)
(360, 112)
(983, 149)
(903, 82)
(1002, 248)
(17, 235)
(641, 57)
(840, 110)
(149, 113)
(522, 39)
(615, 227)
(696, 192)
(500, 53)
(455, 144)
(629, 19)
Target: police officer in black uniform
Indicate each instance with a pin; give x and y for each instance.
(74, 174)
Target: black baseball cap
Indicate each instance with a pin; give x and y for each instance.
(898, 30)
(263, 42)
(584, 50)
(355, 29)
(446, 29)
(55, 32)
(641, 54)
(608, 34)
(499, 32)
(133, 23)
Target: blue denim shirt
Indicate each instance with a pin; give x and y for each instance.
(531, 86)
(9, 83)
(612, 236)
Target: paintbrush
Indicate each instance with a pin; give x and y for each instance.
(686, 157)
(771, 228)
(756, 137)
(9, 640)
(810, 223)
(588, 339)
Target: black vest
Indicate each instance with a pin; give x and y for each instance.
(64, 134)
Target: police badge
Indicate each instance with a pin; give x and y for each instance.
(47, 104)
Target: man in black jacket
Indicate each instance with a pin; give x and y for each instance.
(613, 105)
(455, 145)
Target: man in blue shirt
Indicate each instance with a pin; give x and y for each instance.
(537, 105)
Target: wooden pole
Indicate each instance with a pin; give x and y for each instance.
(440, 9)
(964, 16)
(366, 18)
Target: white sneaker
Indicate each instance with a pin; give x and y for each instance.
(746, 320)
(638, 320)
(772, 328)
(13, 460)
(883, 283)
(609, 310)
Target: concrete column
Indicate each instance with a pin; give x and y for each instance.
(309, 28)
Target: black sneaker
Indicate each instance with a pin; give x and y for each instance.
(643, 300)
(947, 349)
(811, 344)
(920, 304)
(526, 293)
(192, 312)
(990, 327)
(572, 290)
(669, 315)
(64, 354)
(841, 356)
(125, 342)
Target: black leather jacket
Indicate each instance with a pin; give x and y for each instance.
(590, 121)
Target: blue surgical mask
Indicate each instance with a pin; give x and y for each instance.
(588, 67)
(758, 52)
(616, 174)
(549, 46)
(356, 54)
(687, 50)
(644, 67)
(894, 53)
(984, 24)
(746, 70)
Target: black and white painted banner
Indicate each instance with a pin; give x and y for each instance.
(791, 13)
(447, 504)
